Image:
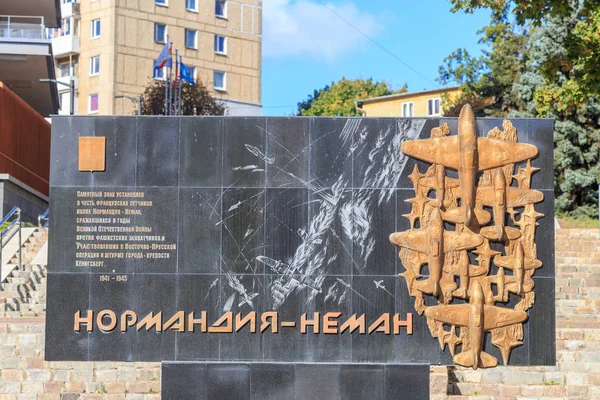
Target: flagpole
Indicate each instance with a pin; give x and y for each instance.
(180, 83)
(171, 100)
(177, 81)
(166, 86)
(169, 76)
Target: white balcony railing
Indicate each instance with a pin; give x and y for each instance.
(65, 45)
(22, 28)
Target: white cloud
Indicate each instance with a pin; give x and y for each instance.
(307, 29)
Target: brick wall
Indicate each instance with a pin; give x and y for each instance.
(24, 374)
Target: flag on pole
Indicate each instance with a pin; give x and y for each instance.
(164, 58)
(186, 74)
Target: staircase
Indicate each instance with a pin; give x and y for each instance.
(23, 292)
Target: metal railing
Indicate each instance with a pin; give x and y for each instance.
(44, 219)
(21, 27)
(10, 231)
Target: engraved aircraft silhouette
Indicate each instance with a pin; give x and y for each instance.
(500, 197)
(469, 155)
(518, 263)
(478, 318)
(284, 269)
(434, 242)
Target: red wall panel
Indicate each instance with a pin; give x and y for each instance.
(24, 142)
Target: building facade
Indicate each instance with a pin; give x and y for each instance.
(427, 103)
(109, 46)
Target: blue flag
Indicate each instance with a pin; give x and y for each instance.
(186, 74)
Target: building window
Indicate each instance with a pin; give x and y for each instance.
(433, 106)
(93, 103)
(159, 73)
(220, 44)
(190, 38)
(190, 5)
(160, 33)
(95, 28)
(94, 65)
(221, 8)
(65, 70)
(161, 3)
(65, 27)
(408, 109)
(219, 80)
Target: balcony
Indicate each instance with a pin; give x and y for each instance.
(65, 45)
(68, 10)
(26, 56)
(22, 29)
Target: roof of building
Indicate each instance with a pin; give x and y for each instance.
(408, 94)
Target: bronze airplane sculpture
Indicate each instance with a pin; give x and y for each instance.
(501, 197)
(469, 155)
(478, 318)
(434, 242)
(518, 263)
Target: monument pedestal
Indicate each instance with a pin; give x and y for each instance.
(293, 381)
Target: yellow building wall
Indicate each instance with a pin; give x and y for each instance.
(136, 49)
(393, 107)
(127, 49)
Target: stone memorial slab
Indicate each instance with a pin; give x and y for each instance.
(290, 381)
(268, 240)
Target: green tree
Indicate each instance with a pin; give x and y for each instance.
(580, 52)
(542, 64)
(195, 100)
(486, 81)
(576, 129)
(339, 97)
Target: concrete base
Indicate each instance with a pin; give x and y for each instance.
(13, 192)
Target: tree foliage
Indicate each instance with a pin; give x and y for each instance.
(542, 63)
(195, 100)
(338, 98)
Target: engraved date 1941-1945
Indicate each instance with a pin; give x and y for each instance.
(116, 278)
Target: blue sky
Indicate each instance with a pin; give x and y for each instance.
(306, 46)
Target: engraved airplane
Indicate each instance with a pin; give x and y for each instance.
(469, 155)
(478, 318)
(518, 263)
(501, 197)
(434, 242)
(284, 269)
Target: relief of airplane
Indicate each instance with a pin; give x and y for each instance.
(434, 242)
(440, 183)
(479, 318)
(500, 198)
(283, 269)
(469, 155)
(518, 263)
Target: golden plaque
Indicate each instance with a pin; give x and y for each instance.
(92, 153)
(485, 174)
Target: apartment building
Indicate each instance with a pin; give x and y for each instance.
(109, 47)
(426, 103)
